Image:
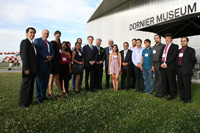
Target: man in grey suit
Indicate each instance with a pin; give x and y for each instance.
(108, 50)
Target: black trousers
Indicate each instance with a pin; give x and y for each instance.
(98, 76)
(184, 86)
(158, 79)
(133, 79)
(89, 71)
(64, 75)
(107, 78)
(139, 77)
(169, 82)
(126, 79)
(26, 89)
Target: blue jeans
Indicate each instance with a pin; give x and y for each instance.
(80, 81)
(148, 80)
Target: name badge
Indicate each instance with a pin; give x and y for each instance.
(110, 52)
(60, 51)
(154, 51)
(115, 56)
(180, 54)
(163, 55)
(64, 58)
(80, 53)
(99, 53)
(146, 55)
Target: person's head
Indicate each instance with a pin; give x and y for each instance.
(65, 46)
(57, 35)
(168, 38)
(30, 33)
(147, 43)
(157, 39)
(90, 39)
(134, 42)
(115, 48)
(98, 42)
(45, 34)
(77, 46)
(184, 41)
(79, 40)
(69, 45)
(139, 42)
(125, 45)
(110, 42)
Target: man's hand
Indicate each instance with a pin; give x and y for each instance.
(163, 66)
(141, 68)
(138, 66)
(152, 69)
(100, 62)
(26, 72)
(49, 58)
(92, 62)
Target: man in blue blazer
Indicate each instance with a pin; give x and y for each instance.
(45, 54)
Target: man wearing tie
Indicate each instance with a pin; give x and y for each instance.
(108, 51)
(90, 57)
(127, 67)
(99, 65)
(186, 60)
(45, 54)
(28, 55)
(168, 67)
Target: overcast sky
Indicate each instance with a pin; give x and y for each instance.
(68, 16)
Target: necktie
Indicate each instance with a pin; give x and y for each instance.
(125, 54)
(165, 52)
(91, 47)
(47, 46)
(33, 47)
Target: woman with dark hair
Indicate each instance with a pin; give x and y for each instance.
(56, 64)
(114, 66)
(65, 67)
(77, 58)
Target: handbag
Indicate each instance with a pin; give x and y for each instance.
(77, 69)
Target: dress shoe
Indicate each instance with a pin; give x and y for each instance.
(47, 99)
(24, 106)
(180, 99)
(150, 93)
(144, 92)
(32, 104)
(40, 101)
(165, 96)
(170, 98)
(137, 90)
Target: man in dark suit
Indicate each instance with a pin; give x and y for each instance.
(186, 60)
(28, 55)
(127, 67)
(99, 65)
(108, 51)
(90, 57)
(168, 64)
(45, 53)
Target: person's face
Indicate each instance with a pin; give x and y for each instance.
(64, 46)
(184, 42)
(114, 48)
(90, 40)
(57, 36)
(138, 43)
(98, 43)
(157, 39)
(147, 44)
(168, 40)
(31, 34)
(125, 46)
(45, 34)
(78, 46)
(134, 43)
(69, 45)
(110, 43)
(80, 41)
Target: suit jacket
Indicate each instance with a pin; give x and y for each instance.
(128, 59)
(88, 55)
(42, 52)
(107, 56)
(171, 57)
(28, 56)
(102, 55)
(188, 61)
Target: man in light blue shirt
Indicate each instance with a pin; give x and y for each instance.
(136, 59)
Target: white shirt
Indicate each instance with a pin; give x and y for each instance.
(125, 52)
(33, 45)
(133, 48)
(166, 53)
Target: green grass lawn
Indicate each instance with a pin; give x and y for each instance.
(100, 111)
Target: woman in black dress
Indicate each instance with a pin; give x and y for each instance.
(56, 64)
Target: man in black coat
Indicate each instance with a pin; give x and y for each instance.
(28, 55)
(127, 67)
(99, 65)
(90, 57)
(186, 60)
(168, 64)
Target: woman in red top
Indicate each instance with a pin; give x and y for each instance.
(65, 67)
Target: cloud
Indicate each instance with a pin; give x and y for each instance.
(67, 15)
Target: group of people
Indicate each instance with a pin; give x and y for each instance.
(44, 61)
